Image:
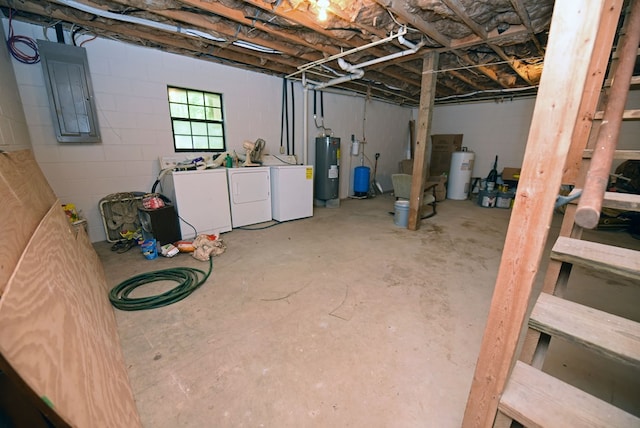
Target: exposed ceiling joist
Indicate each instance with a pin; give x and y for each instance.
(485, 47)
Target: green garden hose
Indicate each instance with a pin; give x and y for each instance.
(188, 279)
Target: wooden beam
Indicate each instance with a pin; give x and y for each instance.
(493, 36)
(303, 19)
(574, 29)
(399, 8)
(458, 75)
(237, 15)
(420, 163)
(458, 9)
(521, 10)
(194, 45)
(230, 33)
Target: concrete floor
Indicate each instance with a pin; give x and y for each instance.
(342, 319)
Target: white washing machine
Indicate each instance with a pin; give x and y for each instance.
(291, 192)
(249, 195)
(202, 200)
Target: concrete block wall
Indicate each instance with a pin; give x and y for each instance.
(130, 88)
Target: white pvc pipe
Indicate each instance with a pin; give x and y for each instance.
(349, 77)
(356, 70)
(305, 121)
(407, 43)
(402, 31)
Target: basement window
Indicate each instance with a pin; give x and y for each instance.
(197, 120)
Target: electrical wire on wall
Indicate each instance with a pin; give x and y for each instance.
(284, 118)
(315, 103)
(75, 32)
(14, 41)
(293, 123)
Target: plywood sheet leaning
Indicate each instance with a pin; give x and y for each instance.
(26, 197)
(58, 329)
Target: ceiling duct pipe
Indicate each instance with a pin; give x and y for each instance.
(356, 70)
(355, 73)
(412, 49)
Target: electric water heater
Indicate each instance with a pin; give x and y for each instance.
(327, 177)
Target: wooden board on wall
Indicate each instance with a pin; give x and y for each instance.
(58, 330)
(26, 197)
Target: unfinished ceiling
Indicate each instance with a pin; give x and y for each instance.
(488, 48)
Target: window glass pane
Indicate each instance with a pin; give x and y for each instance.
(215, 129)
(196, 112)
(216, 143)
(177, 95)
(198, 128)
(181, 127)
(196, 98)
(212, 100)
(197, 119)
(183, 142)
(200, 142)
(179, 110)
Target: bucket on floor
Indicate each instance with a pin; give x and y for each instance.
(149, 249)
(487, 199)
(503, 199)
(401, 213)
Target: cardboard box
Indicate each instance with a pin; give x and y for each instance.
(443, 146)
(510, 174)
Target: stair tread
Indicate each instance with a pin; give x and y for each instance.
(602, 257)
(618, 154)
(606, 334)
(633, 114)
(621, 201)
(635, 80)
(535, 398)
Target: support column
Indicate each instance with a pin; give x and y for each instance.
(420, 162)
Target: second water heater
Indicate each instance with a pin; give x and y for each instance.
(459, 179)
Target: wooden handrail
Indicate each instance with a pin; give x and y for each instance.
(590, 206)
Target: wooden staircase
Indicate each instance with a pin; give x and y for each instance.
(509, 384)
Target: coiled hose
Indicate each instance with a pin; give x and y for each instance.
(188, 279)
